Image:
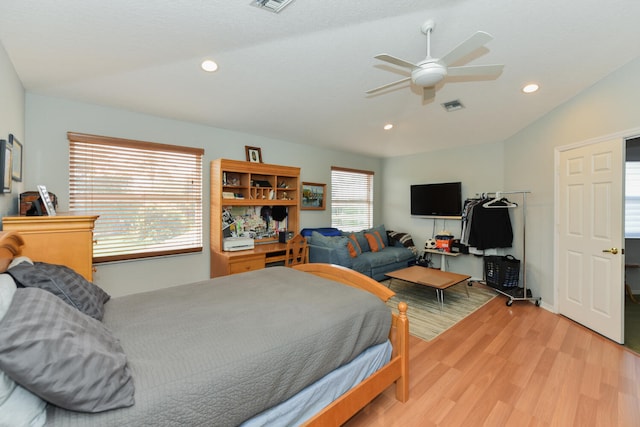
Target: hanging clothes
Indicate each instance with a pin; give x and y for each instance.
(486, 227)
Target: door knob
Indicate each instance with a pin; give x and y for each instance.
(612, 250)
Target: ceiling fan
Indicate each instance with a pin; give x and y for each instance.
(431, 71)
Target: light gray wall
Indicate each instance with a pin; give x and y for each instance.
(11, 121)
(49, 119)
(611, 106)
(478, 167)
(523, 162)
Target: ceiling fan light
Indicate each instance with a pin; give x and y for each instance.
(427, 76)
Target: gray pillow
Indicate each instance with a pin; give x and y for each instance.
(62, 355)
(63, 282)
(340, 255)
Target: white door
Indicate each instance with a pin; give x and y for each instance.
(590, 256)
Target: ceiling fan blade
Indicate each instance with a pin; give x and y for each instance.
(428, 93)
(406, 79)
(396, 61)
(474, 42)
(475, 70)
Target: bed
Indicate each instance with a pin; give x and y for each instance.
(205, 354)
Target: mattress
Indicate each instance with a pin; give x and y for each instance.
(221, 351)
(311, 400)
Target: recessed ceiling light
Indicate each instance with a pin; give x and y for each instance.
(209, 65)
(388, 126)
(530, 88)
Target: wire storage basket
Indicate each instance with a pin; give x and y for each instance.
(501, 271)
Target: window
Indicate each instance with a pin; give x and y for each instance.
(351, 199)
(148, 195)
(632, 200)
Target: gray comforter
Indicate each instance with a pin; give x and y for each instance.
(215, 353)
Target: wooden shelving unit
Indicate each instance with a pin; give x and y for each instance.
(237, 183)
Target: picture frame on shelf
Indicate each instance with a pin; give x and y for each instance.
(16, 158)
(5, 165)
(254, 154)
(313, 196)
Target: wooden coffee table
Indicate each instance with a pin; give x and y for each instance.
(438, 279)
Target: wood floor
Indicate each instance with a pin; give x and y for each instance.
(514, 366)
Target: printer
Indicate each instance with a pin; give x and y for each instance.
(237, 243)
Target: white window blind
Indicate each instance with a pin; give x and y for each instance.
(632, 200)
(351, 199)
(148, 195)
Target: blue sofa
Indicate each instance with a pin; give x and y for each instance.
(333, 249)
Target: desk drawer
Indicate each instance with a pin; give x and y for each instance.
(246, 264)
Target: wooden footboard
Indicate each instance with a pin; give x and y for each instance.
(397, 370)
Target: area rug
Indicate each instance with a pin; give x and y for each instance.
(426, 321)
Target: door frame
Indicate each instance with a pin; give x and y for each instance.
(622, 136)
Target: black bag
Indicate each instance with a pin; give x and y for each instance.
(501, 271)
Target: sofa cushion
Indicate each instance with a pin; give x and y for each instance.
(400, 239)
(362, 241)
(375, 241)
(383, 233)
(353, 246)
(339, 243)
(400, 253)
(377, 259)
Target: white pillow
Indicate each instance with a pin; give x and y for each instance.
(17, 260)
(18, 406)
(7, 289)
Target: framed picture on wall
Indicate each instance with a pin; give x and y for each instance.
(16, 155)
(5, 164)
(313, 196)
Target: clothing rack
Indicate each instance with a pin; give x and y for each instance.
(514, 295)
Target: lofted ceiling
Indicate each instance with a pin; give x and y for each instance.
(301, 75)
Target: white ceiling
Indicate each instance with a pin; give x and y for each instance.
(301, 75)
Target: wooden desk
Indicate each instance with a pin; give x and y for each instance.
(232, 262)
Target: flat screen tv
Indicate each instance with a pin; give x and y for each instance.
(437, 200)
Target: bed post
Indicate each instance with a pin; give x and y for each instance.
(10, 243)
(402, 348)
(395, 372)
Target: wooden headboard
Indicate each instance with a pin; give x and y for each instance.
(10, 246)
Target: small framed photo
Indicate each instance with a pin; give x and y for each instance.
(48, 204)
(16, 164)
(5, 165)
(254, 154)
(313, 196)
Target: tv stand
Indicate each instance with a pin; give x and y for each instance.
(443, 259)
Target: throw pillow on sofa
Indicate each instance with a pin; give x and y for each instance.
(383, 233)
(353, 246)
(375, 241)
(339, 243)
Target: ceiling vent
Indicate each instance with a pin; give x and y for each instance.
(274, 6)
(453, 105)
